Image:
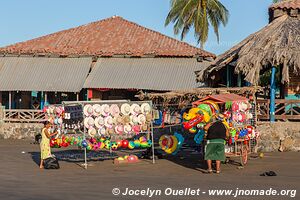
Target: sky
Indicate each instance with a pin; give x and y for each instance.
(22, 20)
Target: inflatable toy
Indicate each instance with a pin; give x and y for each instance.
(199, 136)
(137, 143)
(114, 146)
(174, 146)
(180, 139)
(131, 145)
(125, 143)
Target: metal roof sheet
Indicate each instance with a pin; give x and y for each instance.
(43, 74)
(144, 73)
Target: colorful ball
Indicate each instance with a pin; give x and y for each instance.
(84, 144)
(193, 130)
(107, 144)
(143, 139)
(114, 146)
(149, 143)
(144, 144)
(131, 145)
(125, 143)
(119, 142)
(137, 143)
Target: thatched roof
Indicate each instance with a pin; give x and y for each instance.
(276, 44)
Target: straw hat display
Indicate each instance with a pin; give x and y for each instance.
(99, 122)
(114, 110)
(127, 128)
(146, 108)
(105, 110)
(119, 129)
(125, 109)
(141, 119)
(89, 122)
(135, 109)
(92, 132)
(108, 122)
(88, 110)
(97, 110)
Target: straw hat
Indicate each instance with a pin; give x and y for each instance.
(125, 109)
(118, 119)
(127, 128)
(105, 110)
(101, 131)
(97, 110)
(119, 129)
(99, 122)
(149, 117)
(92, 132)
(136, 129)
(146, 108)
(144, 127)
(89, 122)
(135, 109)
(88, 110)
(108, 122)
(126, 119)
(141, 119)
(114, 110)
(110, 131)
(134, 119)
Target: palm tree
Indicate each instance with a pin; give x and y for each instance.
(197, 14)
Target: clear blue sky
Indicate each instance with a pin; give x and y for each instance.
(22, 20)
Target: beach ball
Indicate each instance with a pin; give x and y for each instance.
(131, 145)
(125, 143)
(114, 146)
(107, 144)
(126, 157)
(132, 158)
(137, 143)
(119, 142)
(120, 158)
(101, 145)
(144, 144)
(143, 139)
(84, 144)
(89, 147)
(193, 130)
(102, 139)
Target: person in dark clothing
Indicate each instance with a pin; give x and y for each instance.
(215, 148)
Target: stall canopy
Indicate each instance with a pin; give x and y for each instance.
(162, 74)
(222, 98)
(43, 74)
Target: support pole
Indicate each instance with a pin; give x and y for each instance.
(46, 99)
(228, 76)
(77, 96)
(272, 95)
(239, 83)
(9, 100)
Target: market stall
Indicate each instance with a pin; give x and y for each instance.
(103, 126)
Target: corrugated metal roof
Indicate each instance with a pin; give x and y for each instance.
(144, 73)
(43, 74)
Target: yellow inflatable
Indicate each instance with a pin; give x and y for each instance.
(174, 146)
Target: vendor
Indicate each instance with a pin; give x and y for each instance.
(215, 148)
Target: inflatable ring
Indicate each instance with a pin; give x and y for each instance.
(206, 107)
(215, 105)
(199, 136)
(213, 110)
(165, 142)
(174, 146)
(180, 139)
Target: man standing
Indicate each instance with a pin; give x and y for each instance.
(215, 148)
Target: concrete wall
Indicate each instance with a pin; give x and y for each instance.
(19, 130)
(282, 136)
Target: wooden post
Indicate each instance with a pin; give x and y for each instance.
(77, 96)
(228, 76)
(272, 95)
(9, 100)
(239, 81)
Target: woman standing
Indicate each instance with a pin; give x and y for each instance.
(45, 143)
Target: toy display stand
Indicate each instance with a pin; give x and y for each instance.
(109, 102)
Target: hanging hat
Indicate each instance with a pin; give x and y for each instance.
(135, 109)
(127, 128)
(108, 122)
(51, 109)
(141, 119)
(126, 119)
(136, 129)
(149, 117)
(105, 110)
(114, 110)
(110, 131)
(118, 119)
(92, 132)
(88, 110)
(144, 127)
(97, 110)
(119, 129)
(89, 122)
(58, 110)
(134, 119)
(101, 131)
(125, 109)
(146, 108)
(99, 122)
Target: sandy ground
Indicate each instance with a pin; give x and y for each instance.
(21, 178)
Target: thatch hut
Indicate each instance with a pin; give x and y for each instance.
(277, 44)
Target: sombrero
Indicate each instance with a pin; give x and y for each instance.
(127, 128)
(108, 122)
(125, 109)
(119, 129)
(88, 110)
(114, 110)
(146, 108)
(99, 122)
(134, 119)
(89, 122)
(92, 132)
(110, 131)
(101, 131)
(141, 119)
(135, 109)
(126, 119)
(118, 119)
(97, 110)
(105, 110)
